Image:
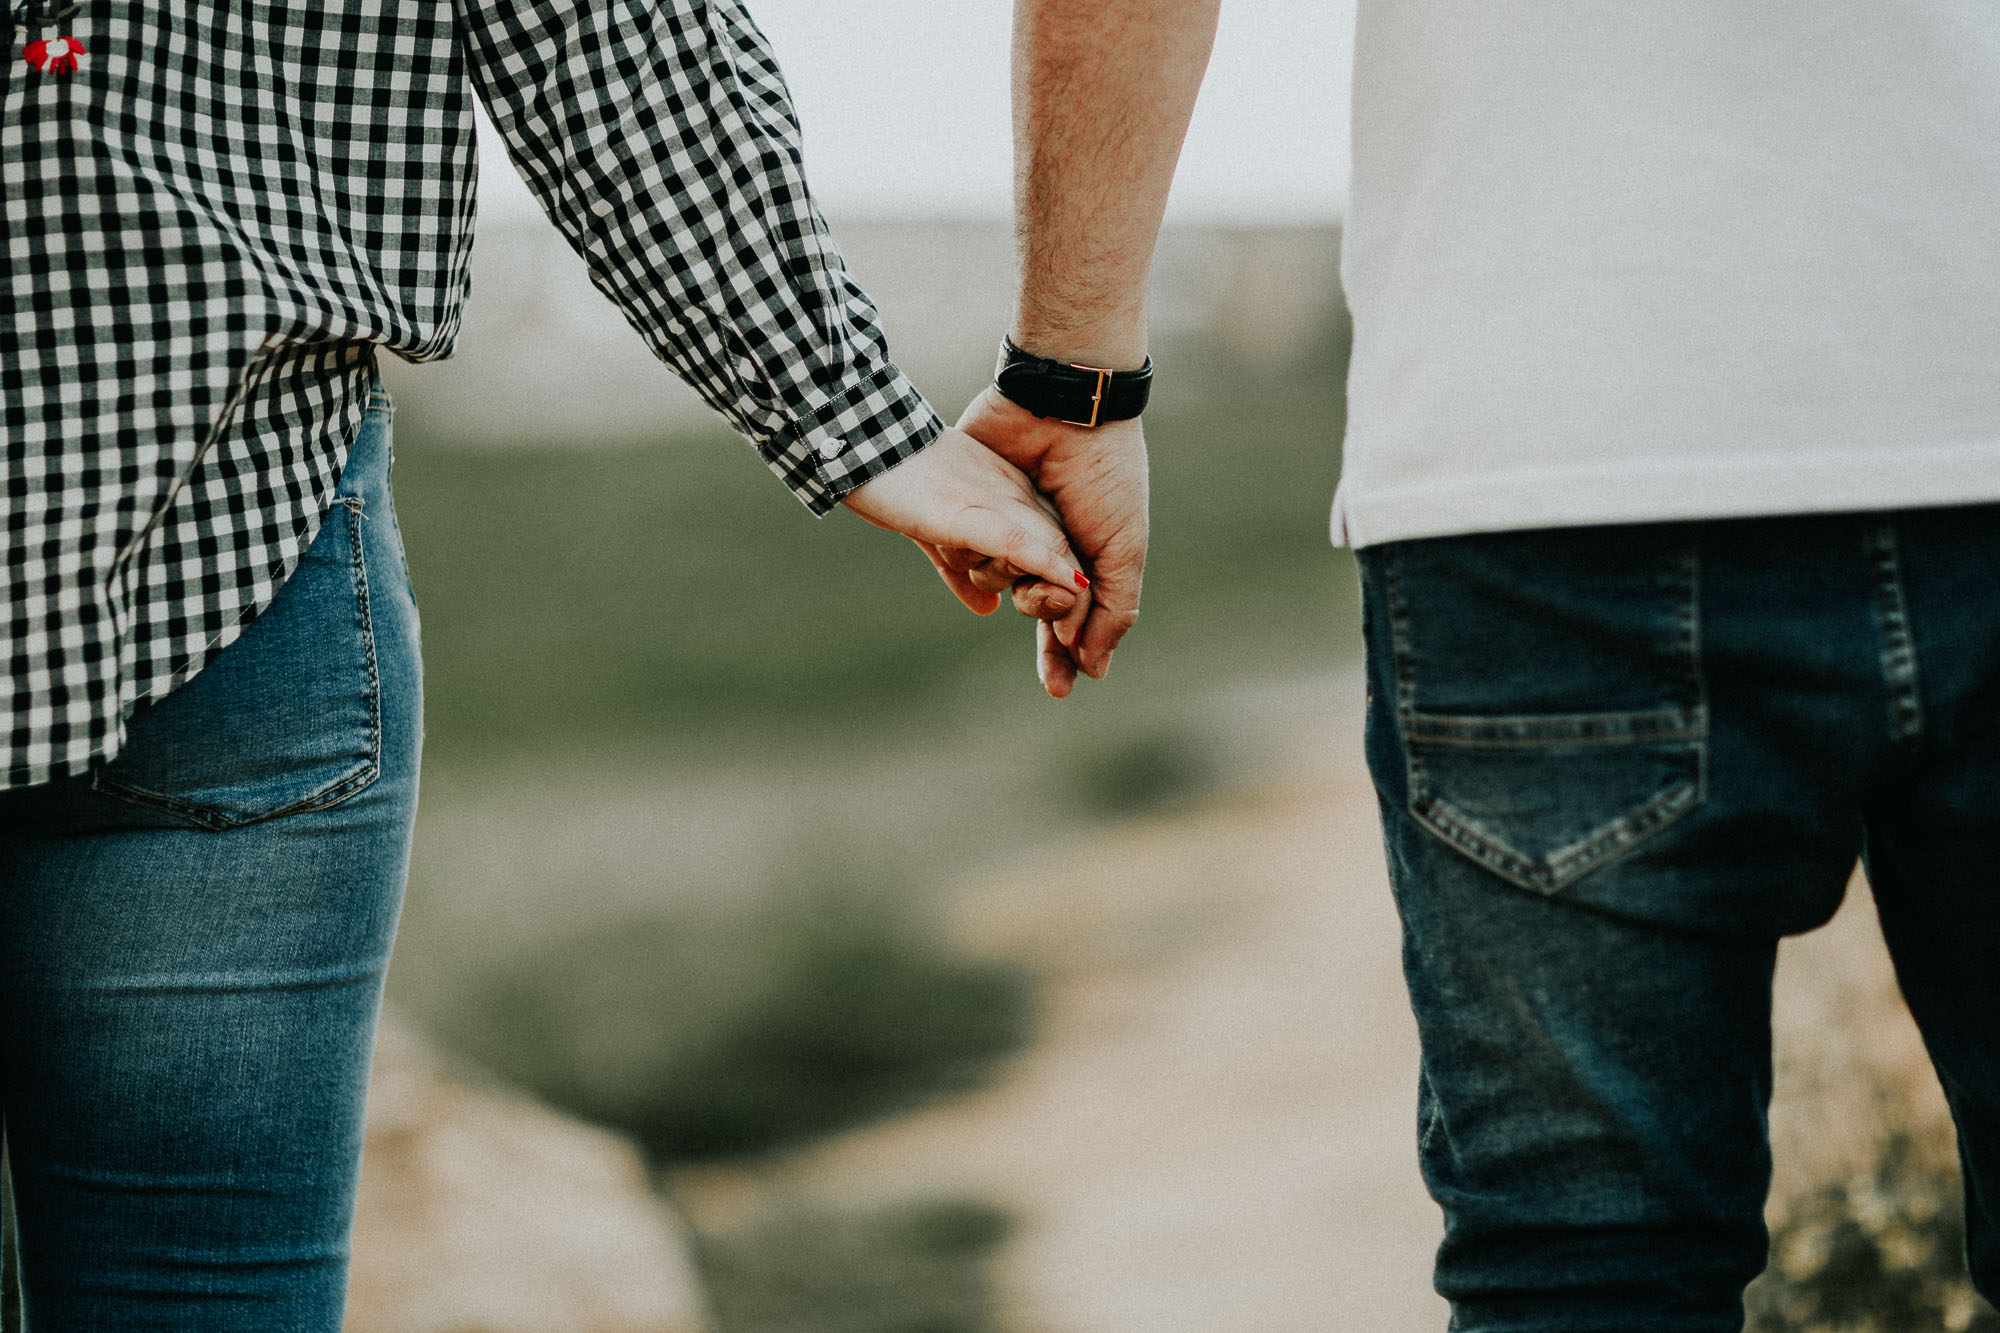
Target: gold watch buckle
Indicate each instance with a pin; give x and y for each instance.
(1096, 399)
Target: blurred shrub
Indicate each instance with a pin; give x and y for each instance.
(713, 1038)
(1881, 1254)
(914, 1268)
(1142, 773)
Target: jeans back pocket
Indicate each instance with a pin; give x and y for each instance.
(1548, 694)
(285, 719)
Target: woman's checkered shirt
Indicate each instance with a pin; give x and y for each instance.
(215, 220)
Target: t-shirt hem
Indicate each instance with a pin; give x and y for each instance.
(1554, 497)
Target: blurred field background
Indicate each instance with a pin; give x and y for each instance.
(931, 1005)
(710, 785)
(703, 774)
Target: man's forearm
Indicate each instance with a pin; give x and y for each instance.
(1102, 94)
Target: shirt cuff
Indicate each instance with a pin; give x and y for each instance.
(874, 424)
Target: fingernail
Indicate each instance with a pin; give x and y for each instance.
(1081, 581)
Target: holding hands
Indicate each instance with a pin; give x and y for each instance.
(1096, 478)
(984, 503)
(979, 519)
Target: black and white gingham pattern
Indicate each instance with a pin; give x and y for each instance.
(214, 222)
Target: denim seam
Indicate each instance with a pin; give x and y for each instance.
(1899, 652)
(1399, 642)
(215, 820)
(1691, 565)
(365, 614)
(1500, 731)
(1429, 1117)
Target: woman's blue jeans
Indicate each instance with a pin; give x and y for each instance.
(192, 945)
(1616, 765)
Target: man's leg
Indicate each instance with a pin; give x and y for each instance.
(1939, 910)
(1590, 1109)
(1934, 839)
(1615, 768)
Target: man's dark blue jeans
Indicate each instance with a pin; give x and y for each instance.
(1616, 765)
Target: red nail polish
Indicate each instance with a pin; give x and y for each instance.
(1081, 581)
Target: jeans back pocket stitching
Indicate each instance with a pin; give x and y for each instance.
(1566, 864)
(1504, 731)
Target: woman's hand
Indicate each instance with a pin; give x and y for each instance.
(969, 509)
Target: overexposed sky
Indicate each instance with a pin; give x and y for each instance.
(905, 109)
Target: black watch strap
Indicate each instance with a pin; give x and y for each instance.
(1073, 394)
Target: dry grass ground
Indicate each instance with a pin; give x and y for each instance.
(1213, 1132)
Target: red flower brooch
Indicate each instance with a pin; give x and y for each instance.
(48, 55)
(53, 55)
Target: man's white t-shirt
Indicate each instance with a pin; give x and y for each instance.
(1618, 262)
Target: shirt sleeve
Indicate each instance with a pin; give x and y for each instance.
(660, 138)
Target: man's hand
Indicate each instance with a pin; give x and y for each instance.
(1102, 94)
(1097, 481)
(969, 509)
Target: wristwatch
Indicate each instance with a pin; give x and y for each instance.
(1069, 393)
